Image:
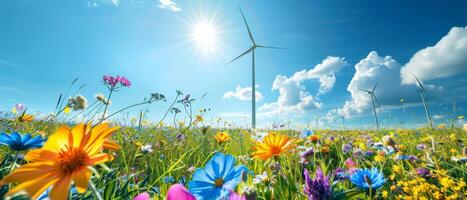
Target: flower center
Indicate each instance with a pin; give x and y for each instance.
(71, 160)
(275, 150)
(219, 182)
(367, 180)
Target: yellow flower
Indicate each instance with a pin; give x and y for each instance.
(65, 158)
(26, 118)
(384, 194)
(273, 145)
(222, 137)
(199, 118)
(396, 168)
(66, 110)
(453, 151)
(452, 136)
(325, 149)
(379, 158)
(13, 110)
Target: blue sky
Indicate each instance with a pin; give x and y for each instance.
(44, 45)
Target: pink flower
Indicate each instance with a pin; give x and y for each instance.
(110, 80)
(142, 196)
(235, 196)
(178, 192)
(125, 82)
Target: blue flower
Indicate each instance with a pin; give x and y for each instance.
(19, 142)
(307, 132)
(366, 178)
(169, 179)
(217, 178)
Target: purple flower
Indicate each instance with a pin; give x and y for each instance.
(125, 82)
(346, 148)
(423, 172)
(421, 147)
(318, 188)
(110, 80)
(369, 153)
(20, 107)
(340, 174)
(308, 152)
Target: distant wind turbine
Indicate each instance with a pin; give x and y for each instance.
(373, 99)
(423, 95)
(253, 84)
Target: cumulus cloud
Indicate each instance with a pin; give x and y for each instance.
(243, 94)
(169, 5)
(446, 58)
(293, 96)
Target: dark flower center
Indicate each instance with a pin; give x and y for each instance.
(71, 160)
(219, 182)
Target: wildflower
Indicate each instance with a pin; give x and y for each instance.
(113, 81)
(346, 148)
(78, 102)
(146, 148)
(66, 110)
(191, 169)
(218, 177)
(423, 172)
(350, 164)
(179, 192)
(421, 147)
(199, 118)
(341, 174)
(396, 168)
(26, 118)
(65, 157)
(264, 178)
(318, 188)
(388, 141)
(142, 196)
(308, 152)
(306, 133)
(325, 149)
(314, 138)
(21, 142)
(124, 81)
(368, 178)
(100, 97)
(384, 194)
(379, 158)
(222, 137)
(442, 126)
(272, 146)
(19, 107)
(235, 196)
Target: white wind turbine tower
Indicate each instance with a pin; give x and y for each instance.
(373, 99)
(423, 95)
(253, 84)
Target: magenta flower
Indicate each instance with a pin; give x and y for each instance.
(179, 192)
(142, 196)
(235, 196)
(113, 81)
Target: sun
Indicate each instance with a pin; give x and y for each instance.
(205, 36)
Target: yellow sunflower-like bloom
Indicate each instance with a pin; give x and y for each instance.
(222, 137)
(273, 145)
(67, 156)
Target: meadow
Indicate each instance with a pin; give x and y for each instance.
(83, 151)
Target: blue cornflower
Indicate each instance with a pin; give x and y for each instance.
(20, 142)
(306, 133)
(368, 178)
(217, 178)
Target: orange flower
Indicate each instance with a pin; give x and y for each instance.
(325, 149)
(222, 137)
(273, 145)
(26, 118)
(314, 138)
(67, 156)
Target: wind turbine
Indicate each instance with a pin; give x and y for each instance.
(373, 99)
(423, 95)
(253, 84)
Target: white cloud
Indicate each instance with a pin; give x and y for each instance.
(448, 57)
(116, 2)
(243, 94)
(293, 96)
(169, 5)
(368, 72)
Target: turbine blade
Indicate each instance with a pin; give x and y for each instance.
(377, 101)
(269, 47)
(247, 27)
(365, 90)
(376, 85)
(247, 51)
(418, 81)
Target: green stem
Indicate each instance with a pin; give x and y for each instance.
(94, 191)
(106, 105)
(13, 164)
